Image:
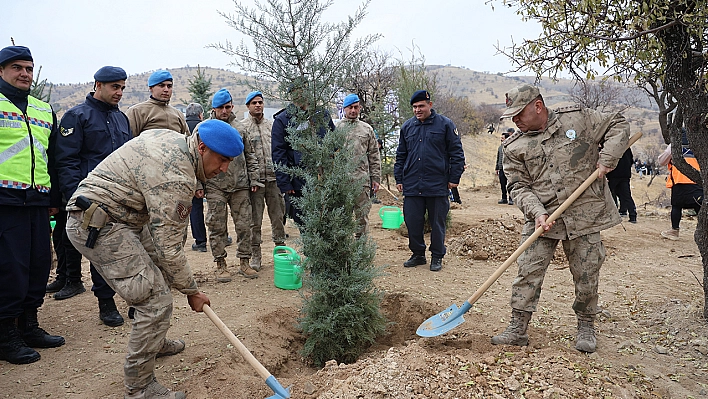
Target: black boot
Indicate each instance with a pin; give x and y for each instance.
(56, 285)
(415, 260)
(108, 313)
(72, 288)
(435, 264)
(33, 335)
(12, 348)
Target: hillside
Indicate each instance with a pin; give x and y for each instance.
(478, 87)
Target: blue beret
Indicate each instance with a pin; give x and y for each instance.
(110, 74)
(158, 77)
(221, 97)
(253, 95)
(420, 95)
(350, 99)
(221, 138)
(14, 53)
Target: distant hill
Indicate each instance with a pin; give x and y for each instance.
(478, 87)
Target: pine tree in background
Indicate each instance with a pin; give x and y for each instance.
(341, 313)
(38, 86)
(199, 89)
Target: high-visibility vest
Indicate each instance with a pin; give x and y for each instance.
(24, 139)
(675, 176)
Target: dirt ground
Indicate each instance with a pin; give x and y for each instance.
(652, 342)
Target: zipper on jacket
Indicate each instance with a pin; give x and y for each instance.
(29, 132)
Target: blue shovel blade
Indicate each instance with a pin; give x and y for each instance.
(280, 392)
(442, 322)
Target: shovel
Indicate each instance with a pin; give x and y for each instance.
(452, 316)
(280, 392)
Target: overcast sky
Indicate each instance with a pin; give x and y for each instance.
(71, 39)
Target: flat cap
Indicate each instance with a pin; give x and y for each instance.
(349, 100)
(221, 138)
(518, 98)
(110, 74)
(420, 95)
(158, 77)
(14, 53)
(253, 95)
(221, 97)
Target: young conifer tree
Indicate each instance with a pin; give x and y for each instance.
(199, 89)
(291, 45)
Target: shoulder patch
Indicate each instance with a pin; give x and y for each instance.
(511, 138)
(66, 132)
(569, 108)
(183, 210)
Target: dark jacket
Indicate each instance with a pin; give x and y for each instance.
(624, 166)
(29, 197)
(429, 155)
(192, 121)
(89, 132)
(283, 153)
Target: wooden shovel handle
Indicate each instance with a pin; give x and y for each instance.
(555, 215)
(262, 371)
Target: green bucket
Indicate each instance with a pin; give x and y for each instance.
(287, 273)
(391, 217)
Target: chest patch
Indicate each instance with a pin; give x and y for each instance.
(570, 134)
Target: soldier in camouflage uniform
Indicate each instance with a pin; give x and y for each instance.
(545, 161)
(148, 182)
(230, 190)
(365, 148)
(259, 130)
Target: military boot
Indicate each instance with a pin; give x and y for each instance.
(155, 391)
(245, 270)
(56, 285)
(171, 347)
(108, 312)
(12, 348)
(515, 333)
(256, 258)
(33, 335)
(222, 272)
(71, 289)
(586, 341)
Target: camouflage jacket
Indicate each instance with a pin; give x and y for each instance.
(545, 167)
(260, 135)
(242, 173)
(362, 140)
(150, 181)
(153, 114)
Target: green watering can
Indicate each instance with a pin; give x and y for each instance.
(287, 274)
(391, 217)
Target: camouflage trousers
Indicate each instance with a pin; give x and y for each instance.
(125, 257)
(217, 217)
(362, 206)
(585, 255)
(269, 196)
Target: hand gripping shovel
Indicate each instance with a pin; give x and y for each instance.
(452, 316)
(280, 392)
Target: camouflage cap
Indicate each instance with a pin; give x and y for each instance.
(518, 98)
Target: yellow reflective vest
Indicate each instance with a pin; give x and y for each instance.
(24, 139)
